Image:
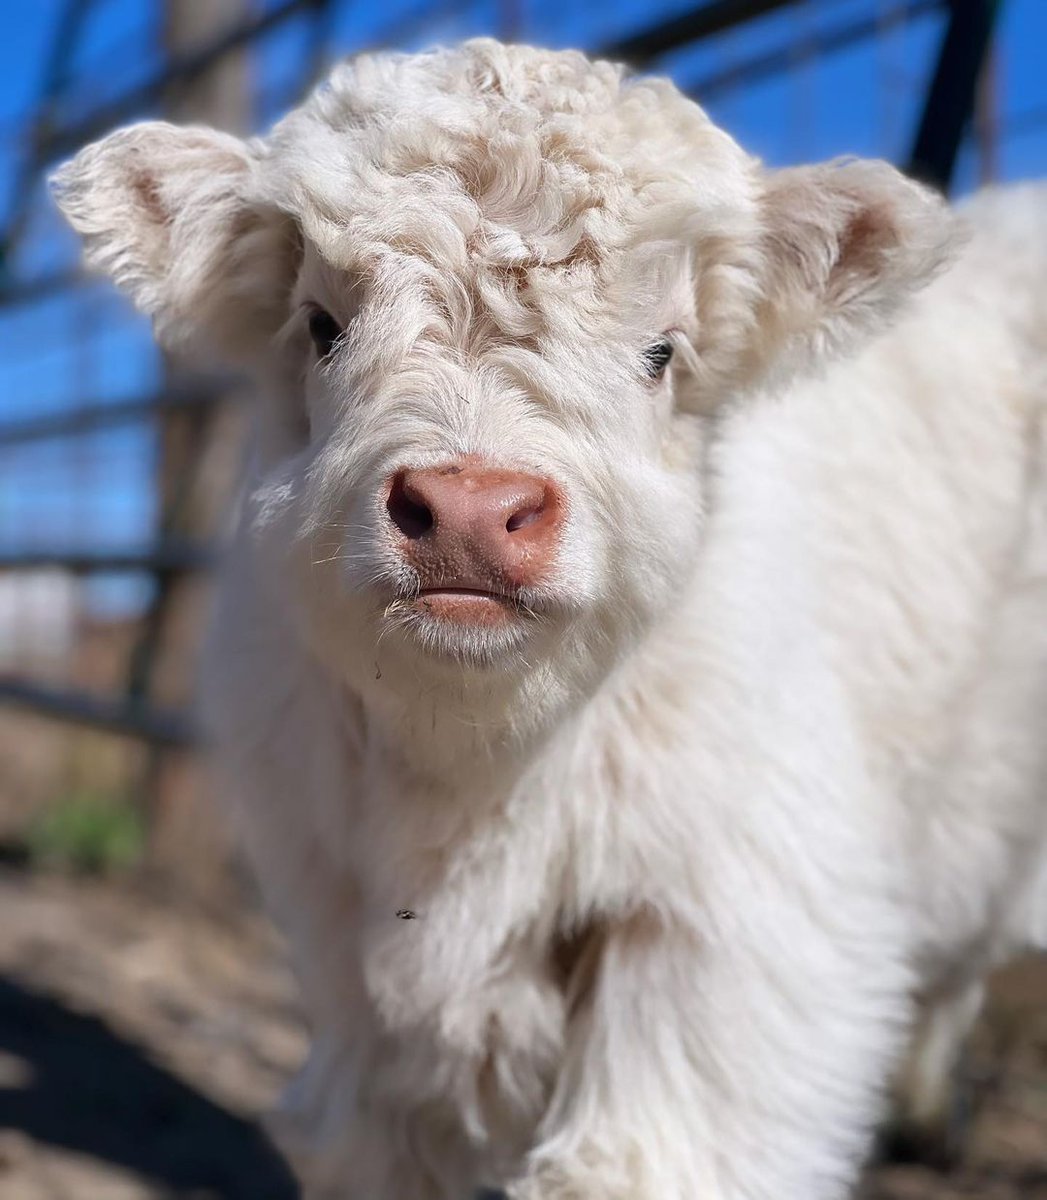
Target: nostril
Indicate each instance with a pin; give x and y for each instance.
(523, 517)
(412, 517)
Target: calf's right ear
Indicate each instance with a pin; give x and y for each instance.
(167, 212)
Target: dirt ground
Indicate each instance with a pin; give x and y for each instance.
(139, 1042)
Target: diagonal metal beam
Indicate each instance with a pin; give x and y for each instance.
(950, 101)
(701, 22)
(60, 53)
(182, 70)
(774, 62)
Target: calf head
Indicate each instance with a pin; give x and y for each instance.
(494, 299)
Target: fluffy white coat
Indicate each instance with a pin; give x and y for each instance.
(757, 786)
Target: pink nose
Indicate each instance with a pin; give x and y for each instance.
(464, 525)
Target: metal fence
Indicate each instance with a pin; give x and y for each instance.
(113, 463)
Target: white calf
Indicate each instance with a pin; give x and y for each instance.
(632, 663)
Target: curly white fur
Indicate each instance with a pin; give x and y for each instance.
(766, 765)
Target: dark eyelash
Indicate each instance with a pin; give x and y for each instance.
(324, 330)
(656, 358)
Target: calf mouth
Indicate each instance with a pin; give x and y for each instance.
(470, 606)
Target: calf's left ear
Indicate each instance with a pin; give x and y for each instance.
(845, 245)
(168, 213)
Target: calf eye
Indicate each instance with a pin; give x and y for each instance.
(324, 330)
(656, 358)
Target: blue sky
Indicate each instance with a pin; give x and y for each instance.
(88, 347)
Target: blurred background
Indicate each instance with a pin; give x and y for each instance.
(145, 1017)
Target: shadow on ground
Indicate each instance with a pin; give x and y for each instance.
(86, 1089)
(139, 1038)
